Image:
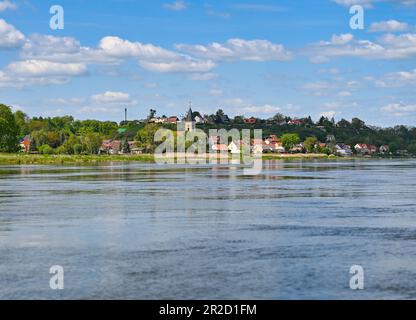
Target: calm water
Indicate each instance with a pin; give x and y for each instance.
(139, 231)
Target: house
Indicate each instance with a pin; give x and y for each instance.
(298, 148)
(161, 119)
(343, 150)
(296, 122)
(266, 148)
(234, 147)
(251, 120)
(384, 149)
(134, 148)
(220, 147)
(110, 146)
(277, 147)
(116, 147)
(172, 119)
(272, 139)
(372, 149)
(361, 148)
(25, 144)
(199, 119)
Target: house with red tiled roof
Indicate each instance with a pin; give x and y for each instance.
(25, 144)
(251, 120)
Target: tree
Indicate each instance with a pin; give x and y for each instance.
(412, 148)
(46, 149)
(152, 113)
(310, 144)
(126, 147)
(289, 140)
(92, 142)
(22, 120)
(279, 118)
(357, 124)
(9, 130)
(145, 137)
(238, 119)
(68, 146)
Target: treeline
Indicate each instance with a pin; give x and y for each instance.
(61, 135)
(65, 135)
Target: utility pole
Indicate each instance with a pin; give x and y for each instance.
(125, 115)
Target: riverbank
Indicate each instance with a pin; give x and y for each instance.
(16, 159)
(24, 159)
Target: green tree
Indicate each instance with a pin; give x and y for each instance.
(289, 140)
(279, 118)
(9, 130)
(145, 137)
(77, 148)
(22, 120)
(412, 148)
(46, 149)
(92, 142)
(238, 119)
(310, 144)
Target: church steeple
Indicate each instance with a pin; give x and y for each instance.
(189, 116)
(190, 120)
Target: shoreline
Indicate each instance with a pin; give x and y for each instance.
(37, 159)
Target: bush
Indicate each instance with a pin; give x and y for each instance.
(77, 148)
(61, 150)
(46, 149)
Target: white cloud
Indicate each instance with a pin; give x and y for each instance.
(342, 39)
(185, 65)
(64, 49)
(389, 26)
(39, 68)
(110, 97)
(39, 72)
(328, 114)
(264, 109)
(399, 109)
(10, 37)
(113, 51)
(176, 6)
(120, 48)
(238, 49)
(396, 79)
(7, 5)
(389, 46)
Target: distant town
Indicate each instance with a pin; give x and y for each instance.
(281, 135)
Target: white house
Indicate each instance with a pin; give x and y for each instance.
(234, 147)
(343, 150)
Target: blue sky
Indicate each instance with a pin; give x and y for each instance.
(255, 58)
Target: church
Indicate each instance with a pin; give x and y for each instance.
(190, 123)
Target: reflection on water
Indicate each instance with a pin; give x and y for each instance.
(141, 231)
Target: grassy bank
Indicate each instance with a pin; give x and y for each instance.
(16, 159)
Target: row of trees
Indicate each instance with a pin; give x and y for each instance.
(62, 135)
(65, 135)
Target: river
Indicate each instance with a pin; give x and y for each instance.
(145, 231)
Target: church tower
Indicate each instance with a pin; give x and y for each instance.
(190, 124)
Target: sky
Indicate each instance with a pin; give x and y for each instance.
(252, 58)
